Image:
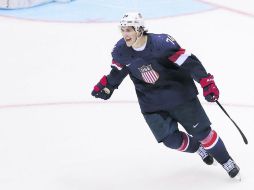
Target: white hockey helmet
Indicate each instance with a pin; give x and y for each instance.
(134, 19)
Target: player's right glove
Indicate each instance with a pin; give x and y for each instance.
(210, 90)
(103, 89)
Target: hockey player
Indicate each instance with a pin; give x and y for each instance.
(163, 74)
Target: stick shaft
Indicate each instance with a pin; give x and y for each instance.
(240, 131)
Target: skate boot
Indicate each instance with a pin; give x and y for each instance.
(208, 159)
(232, 169)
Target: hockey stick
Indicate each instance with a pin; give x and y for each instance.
(243, 136)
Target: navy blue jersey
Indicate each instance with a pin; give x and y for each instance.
(162, 73)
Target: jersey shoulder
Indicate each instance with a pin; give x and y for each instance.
(163, 41)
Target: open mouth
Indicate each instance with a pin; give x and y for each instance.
(127, 39)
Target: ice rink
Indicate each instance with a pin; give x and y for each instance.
(55, 136)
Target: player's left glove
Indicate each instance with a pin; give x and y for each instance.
(103, 89)
(210, 90)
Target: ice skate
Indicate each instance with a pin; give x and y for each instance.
(208, 159)
(232, 169)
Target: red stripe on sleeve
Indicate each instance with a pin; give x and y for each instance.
(116, 64)
(176, 55)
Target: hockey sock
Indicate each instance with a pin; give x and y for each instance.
(189, 144)
(182, 142)
(215, 147)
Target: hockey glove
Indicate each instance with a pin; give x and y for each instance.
(103, 89)
(210, 90)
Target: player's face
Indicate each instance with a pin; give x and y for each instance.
(129, 35)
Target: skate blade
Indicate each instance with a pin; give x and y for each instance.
(237, 178)
(215, 163)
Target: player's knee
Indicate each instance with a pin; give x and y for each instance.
(202, 134)
(172, 141)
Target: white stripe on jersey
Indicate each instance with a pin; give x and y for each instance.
(182, 58)
(116, 65)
